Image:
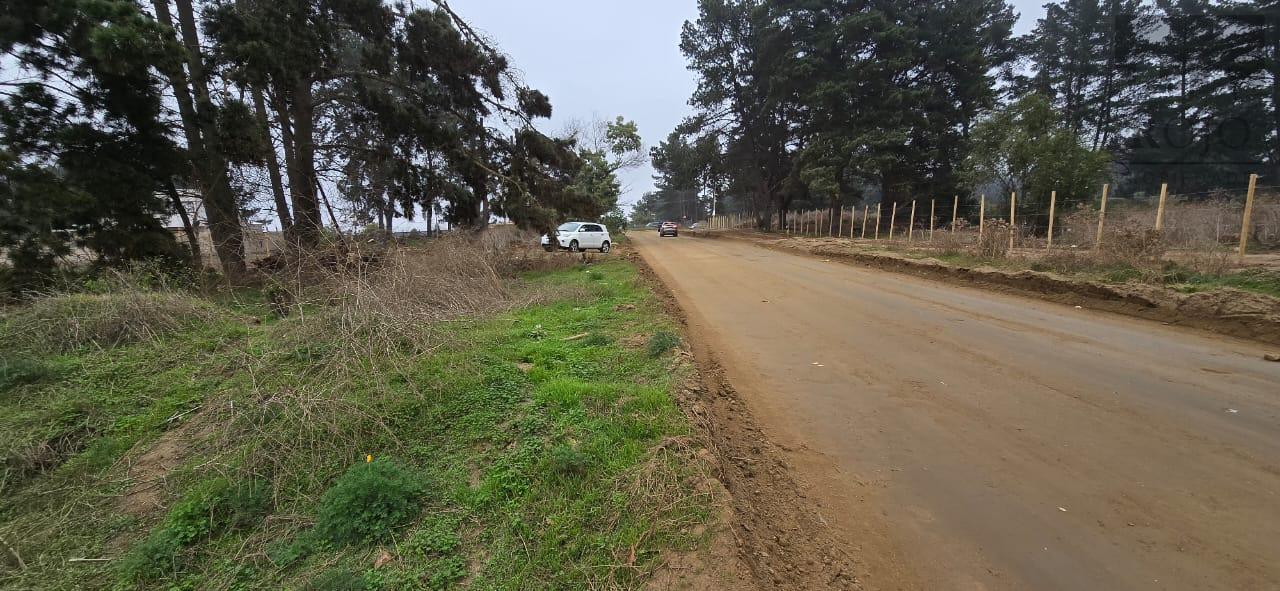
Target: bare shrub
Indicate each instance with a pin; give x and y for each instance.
(1078, 228)
(1062, 261)
(950, 242)
(1266, 221)
(1215, 261)
(994, 241)
(386, 300)
(1133, 243)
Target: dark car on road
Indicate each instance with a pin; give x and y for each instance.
(671, 229)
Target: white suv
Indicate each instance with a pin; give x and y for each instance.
(576, 236)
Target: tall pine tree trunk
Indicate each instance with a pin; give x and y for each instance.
(273, 165)
(208, 167)
(219, 199)
(302, 166)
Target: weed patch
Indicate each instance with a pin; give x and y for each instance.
(524, 458)
(368, 502)
(661, 342)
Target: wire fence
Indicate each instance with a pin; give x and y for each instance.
(1161, 225)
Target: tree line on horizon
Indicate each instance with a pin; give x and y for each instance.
(817, 104)
(110, 110)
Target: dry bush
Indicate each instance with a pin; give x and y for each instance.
(948, 242)
(994, 241)
(1215, 261)
(124, 307)
(1266, 221)
(1199, 224)
(380, 301)
(1133, 243)
(1064, 261)
(1078, 228)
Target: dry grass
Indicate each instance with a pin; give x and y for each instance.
(65, 322)
(994, 241)
(379, 302)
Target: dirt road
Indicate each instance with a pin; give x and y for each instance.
(964, 439)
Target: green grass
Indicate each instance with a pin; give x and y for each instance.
(522, 459)
(1257, 280)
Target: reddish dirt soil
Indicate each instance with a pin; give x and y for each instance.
(923, 435)
(776, 536)
(1225, 311)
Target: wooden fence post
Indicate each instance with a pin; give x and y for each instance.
(1248, 213)
(1164, 194)
(982, 216)
(1013, 214)
(955, 208)
(1053, 202)
(866, 211)
(893, 219)
(877, 237)
(1102, 217)
(911, 224)
(841, 224)
(932, 204)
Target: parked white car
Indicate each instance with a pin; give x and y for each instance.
(576, 236)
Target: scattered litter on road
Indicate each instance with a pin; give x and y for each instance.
(1271, 357)
(1079, 307)
(1063, 509)
(764, 301)
(815, 363)
(942, 382)
(1233, 411)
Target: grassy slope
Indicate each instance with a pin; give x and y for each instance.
(545, 462)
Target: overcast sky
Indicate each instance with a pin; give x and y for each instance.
(610, 57)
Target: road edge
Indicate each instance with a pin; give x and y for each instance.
(780, 533)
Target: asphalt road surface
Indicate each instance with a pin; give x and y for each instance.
(966, 439)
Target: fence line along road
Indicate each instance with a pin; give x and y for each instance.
(1190, 222)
